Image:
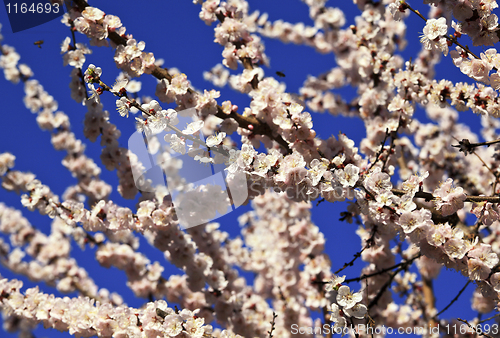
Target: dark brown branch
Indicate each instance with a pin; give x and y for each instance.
(379, 153)
(273, 325)
(358, 279)
(468, 148)
(429, 197)
(472, 327)
(369, 243)
(393, 135)
(488, 319)
(389, 282)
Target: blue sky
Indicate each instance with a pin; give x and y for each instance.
(173, 31)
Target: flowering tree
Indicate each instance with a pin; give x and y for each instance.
(424, 195)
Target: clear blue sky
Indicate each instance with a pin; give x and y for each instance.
(173, 31)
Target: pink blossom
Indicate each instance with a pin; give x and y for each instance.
(448, 198)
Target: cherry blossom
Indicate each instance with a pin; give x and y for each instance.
(449, 198)
(348, 176)
(346, 298)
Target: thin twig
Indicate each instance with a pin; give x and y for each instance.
(379, 153)
(273, 325)
(487, 319)
(453, 300)
(389, 282)
(179, 133)
(394, 135)
(429, 197)
(472, 327)
(369, 243)
(358, 279)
